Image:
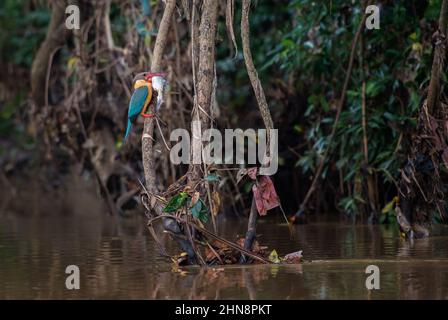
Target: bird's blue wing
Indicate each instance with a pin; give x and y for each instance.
(137, 102)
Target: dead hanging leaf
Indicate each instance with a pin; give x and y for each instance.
(216, 203)
(265, 195)
(294, 257)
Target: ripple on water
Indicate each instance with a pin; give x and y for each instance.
(118, 259)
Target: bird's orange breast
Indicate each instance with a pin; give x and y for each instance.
(148, 84)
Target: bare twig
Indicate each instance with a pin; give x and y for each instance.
(230, 8)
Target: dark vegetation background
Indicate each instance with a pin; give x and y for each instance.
(301, 49)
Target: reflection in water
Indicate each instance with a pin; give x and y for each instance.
(118, 259)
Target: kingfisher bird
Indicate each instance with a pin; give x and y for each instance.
(144, 85)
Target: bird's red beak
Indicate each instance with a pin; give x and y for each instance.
(151, 75)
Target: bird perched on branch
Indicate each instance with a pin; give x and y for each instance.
(144, 85)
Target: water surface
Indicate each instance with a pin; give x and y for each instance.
(118, 259)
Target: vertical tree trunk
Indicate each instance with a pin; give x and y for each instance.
(264, 111)
(204, 86)
(156, 66)
(438, 61)
(55, 37)
(148, 130)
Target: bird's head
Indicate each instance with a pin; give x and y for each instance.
(146, 76)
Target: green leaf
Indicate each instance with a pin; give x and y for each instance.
(176, 202)
(248, 186)
(200, 211)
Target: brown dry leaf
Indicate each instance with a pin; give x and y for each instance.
(256, 247)
(209, 254)
(216, 203)
(265, 195)
(294, 257)
(240, 241)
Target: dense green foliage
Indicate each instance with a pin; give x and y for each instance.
(23, 28)
(394, 62)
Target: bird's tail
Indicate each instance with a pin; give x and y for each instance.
(128, 130)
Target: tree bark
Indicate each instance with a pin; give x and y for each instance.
(156, 66)
(204, 87)
(438, 61)
(147, 141)
(264, 111)
(56, 36)
(252, 71)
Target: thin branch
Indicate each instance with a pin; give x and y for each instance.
(156, 64)
(252, 71)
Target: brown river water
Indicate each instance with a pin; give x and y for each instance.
(118, 260)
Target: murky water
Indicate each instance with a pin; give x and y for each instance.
(118, 259)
